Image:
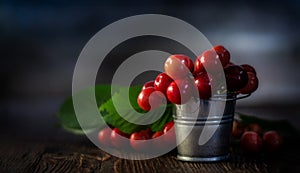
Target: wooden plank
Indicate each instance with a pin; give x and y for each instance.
(169, 163)
(19, 157)
(84, 157)
(71, 158)
(50, 157)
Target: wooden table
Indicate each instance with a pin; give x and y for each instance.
(82, 156)
(65, 152)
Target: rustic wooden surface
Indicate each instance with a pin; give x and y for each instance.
(82, 156)
(59, 151)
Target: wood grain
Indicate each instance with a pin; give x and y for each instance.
(84, 157)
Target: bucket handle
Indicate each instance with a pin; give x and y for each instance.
(242, 96)
(239, 97)
(233, 99)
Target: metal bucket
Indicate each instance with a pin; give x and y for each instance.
(203, 129)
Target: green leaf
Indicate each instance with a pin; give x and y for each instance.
(102, 93)
(69, 122)
(66, 113)
(112, 117)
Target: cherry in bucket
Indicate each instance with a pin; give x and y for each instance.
(203, 84)
(148, 84)
(178, 66)
(150, 99)
(223, 53)
(236, 77)
(251, 85)
(162, 82)
(180, 91)
(178, 87)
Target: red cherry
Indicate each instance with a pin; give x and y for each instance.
(148, 84)
(162, 82)
(138, 141)
(236, 77)
(147, 133)
(251, 142)
(178, 66)
(223, 53)
(104, 136)
(203, 84)
(251, 85)
(249, 68)
(272, 141)
(229, 64)
(169, 135)
(168, 126)
(180, 91)
(147, 96)
(190, 64)
(157, 134)
(210, 60)
(198, 67)
(117, 139)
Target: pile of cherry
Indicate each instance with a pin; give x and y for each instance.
(254, 140)
(182, 77)
(138, 140)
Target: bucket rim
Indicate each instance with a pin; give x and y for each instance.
(204, 118)
(227, 97)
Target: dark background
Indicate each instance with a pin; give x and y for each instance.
(41, 41)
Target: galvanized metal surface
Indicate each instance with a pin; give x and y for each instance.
(215, 115)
